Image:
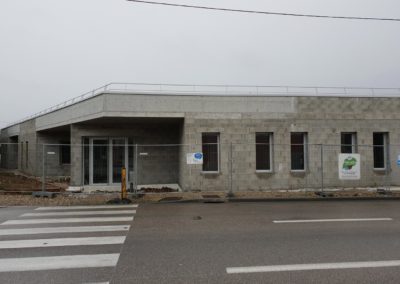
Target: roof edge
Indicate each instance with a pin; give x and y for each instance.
(219, 90)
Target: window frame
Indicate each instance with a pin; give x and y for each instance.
(385, 150)
(353, 145)
(305, 152)
(217, 134)
(270, 145)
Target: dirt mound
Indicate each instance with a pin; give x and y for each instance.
(154, 189)
(11, 182)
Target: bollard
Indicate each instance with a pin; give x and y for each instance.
(123, 183)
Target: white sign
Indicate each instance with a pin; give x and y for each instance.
(194, 158)
(349, 166)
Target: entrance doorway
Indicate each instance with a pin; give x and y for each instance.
(107, 156)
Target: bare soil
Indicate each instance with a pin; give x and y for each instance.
(13, 182)
(162, 189)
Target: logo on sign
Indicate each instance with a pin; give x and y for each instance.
(349, 163)
(194, 158)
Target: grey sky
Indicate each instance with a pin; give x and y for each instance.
(53, 50)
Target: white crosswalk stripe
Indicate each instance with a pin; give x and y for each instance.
(88, 207)
(58, 262)
(61, 242)
(67, 220)
(106, 239)
(73, 213)
(50, 230)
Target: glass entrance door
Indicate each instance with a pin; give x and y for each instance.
(99, 165)
(106, 158)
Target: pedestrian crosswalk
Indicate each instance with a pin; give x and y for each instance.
(75, 244)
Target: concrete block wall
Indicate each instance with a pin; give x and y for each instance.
(9, 153)
(323, 119)
(52, 141)
(9, 149)
(243, 148)
(27, 148)
(160, 165)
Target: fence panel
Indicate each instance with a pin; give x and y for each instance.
(227, 167)
(370, 176)
(393, 177)
(265, 166)
(157, 166)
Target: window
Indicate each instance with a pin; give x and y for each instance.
(263, 151)
(348, 140)
(100, 160)
(86, 157)
(380, 140)
(210, 148)
(65, 153)
(298, 148)
(22, 155)
(27, 154)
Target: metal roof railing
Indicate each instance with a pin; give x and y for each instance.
(220, 90)
(252, 90)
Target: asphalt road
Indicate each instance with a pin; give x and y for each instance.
(330, 242)
(169, 244)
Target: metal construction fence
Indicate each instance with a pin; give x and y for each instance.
(225, 167)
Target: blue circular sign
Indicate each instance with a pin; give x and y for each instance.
(198, 156)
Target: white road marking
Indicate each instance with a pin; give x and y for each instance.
(67, 220)
(58, 262)
(91, 241)
(332, 220)
(94, 207)
(113, 212)
(312, 266)
(50, 230)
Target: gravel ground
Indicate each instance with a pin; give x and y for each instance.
(98, 199)
(311, 194)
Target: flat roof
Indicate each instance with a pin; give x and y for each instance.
(221, 90)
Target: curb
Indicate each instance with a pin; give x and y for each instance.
(238, 200)
(313, 199)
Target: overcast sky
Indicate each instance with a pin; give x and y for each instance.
(53, 50)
